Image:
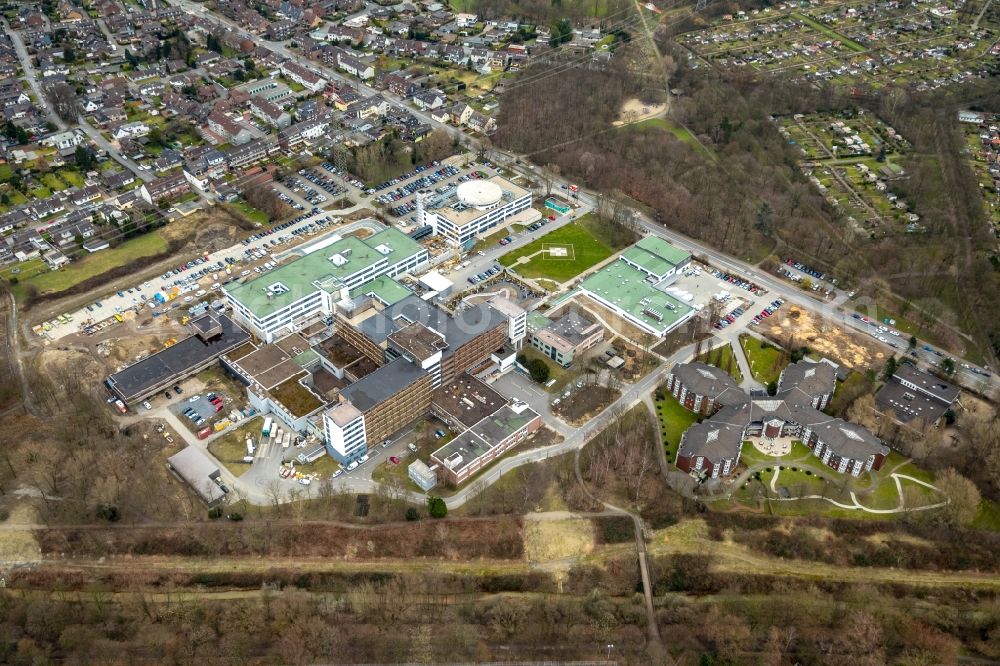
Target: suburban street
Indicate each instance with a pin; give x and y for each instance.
(30, 75)
(196, 9)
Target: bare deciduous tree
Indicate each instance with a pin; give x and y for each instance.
(64, 101)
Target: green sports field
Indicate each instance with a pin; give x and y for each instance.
(560, 255)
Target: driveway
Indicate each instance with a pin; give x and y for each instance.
(515, 385)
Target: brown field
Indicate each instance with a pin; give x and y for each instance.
(795, 327)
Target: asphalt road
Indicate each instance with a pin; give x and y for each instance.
(31, 76)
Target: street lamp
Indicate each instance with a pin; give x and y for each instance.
(610, 647)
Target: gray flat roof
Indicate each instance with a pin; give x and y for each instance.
(468, 399)
(909, 405)
(936, 387)
(198, 471)
(139, 379)
(457, 330)
(387, 381)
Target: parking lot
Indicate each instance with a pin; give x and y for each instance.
(199, 412)
(442, 180)
(313, 185)
(186, 275)
(516, 385)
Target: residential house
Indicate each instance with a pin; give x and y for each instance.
(304, 77)
(227, 129)
(131, 130)
(269, 113)
(167, 187)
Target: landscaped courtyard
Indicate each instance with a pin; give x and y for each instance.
(798, 483)
(766, 360)
(722, 358)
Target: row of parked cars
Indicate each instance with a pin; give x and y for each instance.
(395, 181)
(317, 178)
(418, 184)
(808, 270)
(729, 318)
(768, 311)
(346, 176)
(485, 275)
(740, 282)
(279, 227)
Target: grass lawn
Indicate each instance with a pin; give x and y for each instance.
(988, 517)
(6, 172)
(71, 177)
(765, 359)
(52, 181)
(557, 372)
(883, 496)
(722, 358)
(892, 463)
(666, 125)
(583, 249)
(250, 212)
(324, 466)
(24, 270)
(674, 420)
(16, 198)
(750, 456)
(799, 482)
(94, 264)
(231, 447)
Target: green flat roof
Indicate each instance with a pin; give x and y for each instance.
(299, 277)
(655, 255)
(384, 288)
(626, 287)
(306, 357)
(537, 320)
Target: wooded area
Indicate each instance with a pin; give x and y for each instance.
(749, 198)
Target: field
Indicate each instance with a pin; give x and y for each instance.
(666, 125)
(94, 264)
(231, 447)
(559, 255)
